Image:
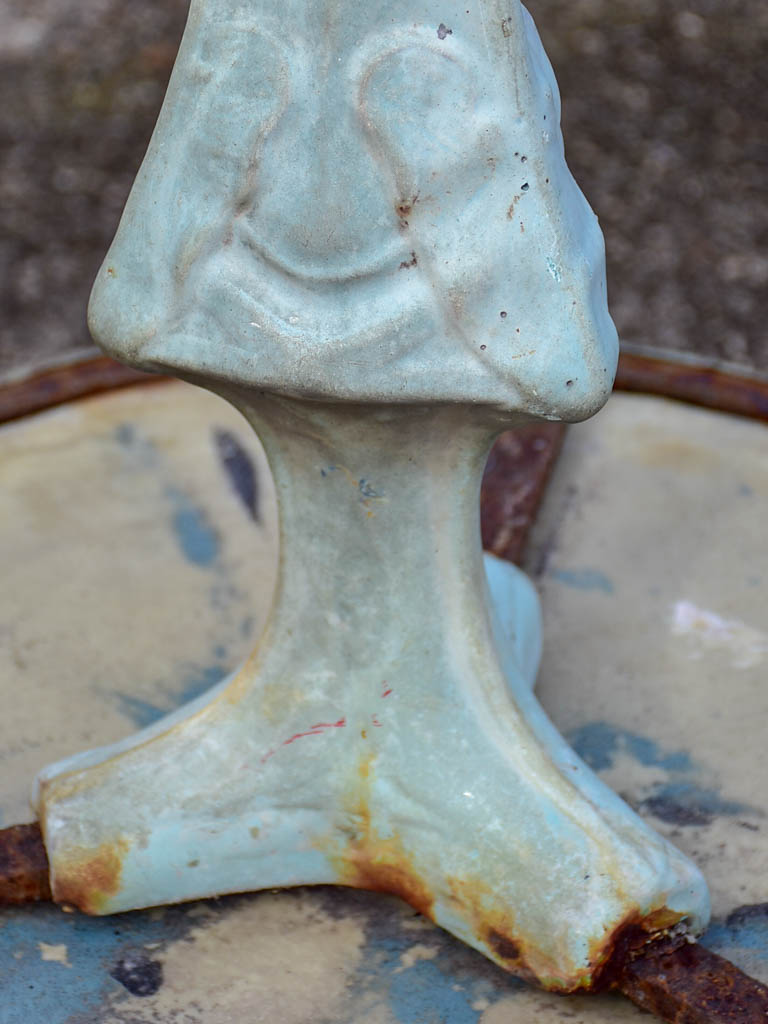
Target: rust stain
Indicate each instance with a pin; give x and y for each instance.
(23, 865)
(514, 483)
(511, 208)
(504, 942)
(366, 859)
(686, 984)
(88, 880)
(664, 973)
(661, 920)
(494, 927)
(364, 771)
(699, 384)
(54, 386)
(505, 947)
(383, 865)
(370, 861)
(404, 209)
(634, 932)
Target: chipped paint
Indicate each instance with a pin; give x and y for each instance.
(709, 631)
(415, 954)
(54, 953)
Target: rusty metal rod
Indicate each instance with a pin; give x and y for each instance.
(684, 983)
(23, 865)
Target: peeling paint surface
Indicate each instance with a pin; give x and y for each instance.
(681, 738)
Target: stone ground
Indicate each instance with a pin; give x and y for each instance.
(666, 130)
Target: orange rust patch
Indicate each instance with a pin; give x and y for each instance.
(88, 881)
(505, 947)
(369, 861)
(661, 920)
(631, 935)
(502, 941)
(494, 928)
(364, 768)
(382, 865)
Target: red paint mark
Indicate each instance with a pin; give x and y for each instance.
(314, 730)
(300, 736)
(375, 721)
(386, 690)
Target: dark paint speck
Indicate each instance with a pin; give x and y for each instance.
(137, 973)
(240, 470)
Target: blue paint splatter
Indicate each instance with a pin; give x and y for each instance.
(125, 434)
(423, 993)
(597, 743)
(240, 470)
(51, 992)
(441, 988)
(742, 937)
(198, 680)
(195, 682)
(685, 803)
(197, 538)
(584, 579)
(140, 712)
(746, 491)
(680, 801)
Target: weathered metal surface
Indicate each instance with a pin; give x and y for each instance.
(23, 865)
(684, 983)
(694, 381)
(514, 481)
(59, 384)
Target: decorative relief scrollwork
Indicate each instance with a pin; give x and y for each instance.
(363, 208)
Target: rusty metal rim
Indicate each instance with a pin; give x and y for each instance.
(698, 384)
(60, 384)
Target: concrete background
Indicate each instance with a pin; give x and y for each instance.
(665, 121)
